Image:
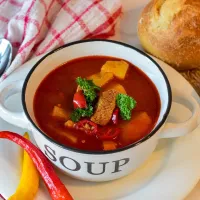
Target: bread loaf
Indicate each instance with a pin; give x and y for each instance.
(170, 30)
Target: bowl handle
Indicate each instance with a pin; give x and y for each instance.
(16, 118)
(172, 130)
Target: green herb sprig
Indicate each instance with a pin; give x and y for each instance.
(126, 105)
(89, 89)
(78, 113)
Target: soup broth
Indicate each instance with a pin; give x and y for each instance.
(58, 89)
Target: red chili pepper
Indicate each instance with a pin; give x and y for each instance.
(115, 116)
(108, 133)
(89, 127)
(79, 100)
(56, 188)
(2, 197)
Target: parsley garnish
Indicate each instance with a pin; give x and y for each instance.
(89, 89)
(78, 113)
(126, 105)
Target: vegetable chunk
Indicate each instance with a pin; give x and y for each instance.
(29, 181)
(116, 86)
(56, 188)
(137, 127)
(118, 68)
(60, 113)
(109, 145)
(69, 124)
(66, 134)
(101, 79)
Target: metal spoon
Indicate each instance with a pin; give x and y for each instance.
(5, 55)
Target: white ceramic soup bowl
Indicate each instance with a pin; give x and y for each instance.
(90, 165)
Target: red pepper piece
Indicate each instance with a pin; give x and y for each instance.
(56, 188)
(79, 100)
(108, 133)
(115, 116)
(2, 197)
(89, 127)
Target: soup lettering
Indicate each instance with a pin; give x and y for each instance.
(96, 103)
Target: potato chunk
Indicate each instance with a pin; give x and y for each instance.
(60, 113)
(137, 127)
(109, 145)
(66, 134)
(116, 86)
(101, 79)
(69, 124)
(118, 68)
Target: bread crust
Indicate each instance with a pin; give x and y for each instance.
(170, 30)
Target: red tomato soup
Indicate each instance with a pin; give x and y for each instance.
(111, 105)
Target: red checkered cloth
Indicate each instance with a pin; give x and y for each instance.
(38, 26)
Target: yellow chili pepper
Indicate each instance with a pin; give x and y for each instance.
(29, 182)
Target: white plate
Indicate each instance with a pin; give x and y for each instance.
(169, 174)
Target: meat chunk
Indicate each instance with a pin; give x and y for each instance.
(105, 107)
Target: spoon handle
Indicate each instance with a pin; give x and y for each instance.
(5, 55)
